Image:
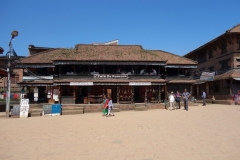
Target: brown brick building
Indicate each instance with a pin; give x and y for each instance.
(82, 75)
(222, 56)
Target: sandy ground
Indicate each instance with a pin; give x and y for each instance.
(202, 133)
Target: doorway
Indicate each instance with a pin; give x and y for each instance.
(139, 95)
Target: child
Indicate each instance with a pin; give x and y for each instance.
(110, 107)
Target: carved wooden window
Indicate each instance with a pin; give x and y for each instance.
(238, 42)
(202, 57)
(225, 64)
(224, 48)
(211, 68)
(210, 52)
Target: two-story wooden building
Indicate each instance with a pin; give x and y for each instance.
(222, 56)
(82, 75)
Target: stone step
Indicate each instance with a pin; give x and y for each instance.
(36, 114)
(35, 110)
(72, 108)
(69, 112)
(116, 109)
(141, 108)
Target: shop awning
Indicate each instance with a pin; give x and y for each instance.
(238, 79)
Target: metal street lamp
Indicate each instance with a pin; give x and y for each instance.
(9, 53)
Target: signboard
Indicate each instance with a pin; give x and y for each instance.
(81, 83)
(47, 109)
(109, 76)
(38, 77)
(139, 83)
(24, 107)
(15, 111)
(207, 76)
(24, 110)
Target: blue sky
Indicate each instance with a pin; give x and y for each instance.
(176, 26)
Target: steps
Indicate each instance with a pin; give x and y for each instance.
(140, 107)
(35, 110)
(69, 110)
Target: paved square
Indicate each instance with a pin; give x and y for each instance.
(202, 133)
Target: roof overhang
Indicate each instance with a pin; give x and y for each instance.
(109, 63)
(35, 65)
(238, 79)
(180, 66)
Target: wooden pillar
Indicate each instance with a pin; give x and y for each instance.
(166, 92)
(88, 95)
(59, 94)
(145, 99)
(132, 94)
(104, 91)
(118, 94)
(159, 70)
(207, 88)
(59, 70)
(197, 90)
(159, 93)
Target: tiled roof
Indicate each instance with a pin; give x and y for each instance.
(36, 82)
(84, 52)
(234, 73)
(235, 29)
(173, 58)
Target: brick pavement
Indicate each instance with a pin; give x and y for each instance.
(202, 133)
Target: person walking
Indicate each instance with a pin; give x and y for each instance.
(171, 101)
(178, 99)
(110, 107)
(204, 98)
(105, 103)
(185, 96)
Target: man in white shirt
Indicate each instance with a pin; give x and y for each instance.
(171, 101)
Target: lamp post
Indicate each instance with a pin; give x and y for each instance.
(14, 34)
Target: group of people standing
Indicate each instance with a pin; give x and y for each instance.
(107, 106)
(177, 98)
(185, 95)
